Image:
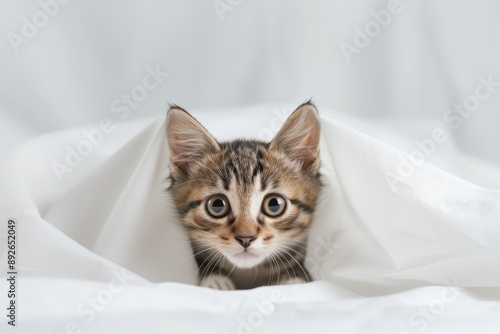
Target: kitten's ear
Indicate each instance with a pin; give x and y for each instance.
(299, 138)
(188, 141)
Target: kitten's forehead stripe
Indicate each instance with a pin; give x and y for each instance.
(243, 161)
(258, 169)
(225, 181)
(264, 182)
(231, 168)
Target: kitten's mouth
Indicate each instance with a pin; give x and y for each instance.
(245, 259)
(247, 254)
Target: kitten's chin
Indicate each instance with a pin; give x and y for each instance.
(245, 260)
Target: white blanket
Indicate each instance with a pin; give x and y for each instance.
(99, 248)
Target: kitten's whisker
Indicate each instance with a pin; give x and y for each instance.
(300, 266)
(194, 255)
(284, 265)
(197, 228)
(271, 270)
(288, 245)
(231, 271)
(217, 264)
(295, 251)
(278, 272)
(276, 269)
(256, 270)
(301, 242)
(211, 265)
(211, 257)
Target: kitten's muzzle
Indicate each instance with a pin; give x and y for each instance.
(245, 241)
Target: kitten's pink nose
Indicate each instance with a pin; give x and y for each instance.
(245, 241)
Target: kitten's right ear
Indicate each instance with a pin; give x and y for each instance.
(299, 138)
(188, 141)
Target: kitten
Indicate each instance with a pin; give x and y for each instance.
(247, 205)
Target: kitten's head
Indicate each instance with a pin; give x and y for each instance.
(245, 199)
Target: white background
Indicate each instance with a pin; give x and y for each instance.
(428, 58)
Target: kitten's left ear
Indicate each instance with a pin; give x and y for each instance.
(299, 138)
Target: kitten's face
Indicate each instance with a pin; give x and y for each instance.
(245, 200)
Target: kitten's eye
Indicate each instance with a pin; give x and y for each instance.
(217, 206)
(273, 205)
